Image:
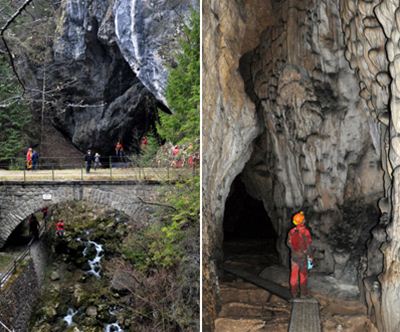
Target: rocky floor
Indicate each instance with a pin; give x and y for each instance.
(245, 307)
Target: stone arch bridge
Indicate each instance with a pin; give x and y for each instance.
(18, 200)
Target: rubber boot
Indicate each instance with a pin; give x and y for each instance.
(304, 292)
(294, 292)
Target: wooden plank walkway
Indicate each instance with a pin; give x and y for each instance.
(270, 286)
(305, 316)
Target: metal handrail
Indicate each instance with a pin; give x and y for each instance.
(163, 171)
(106, 162)
(2, 324)
(13, 266)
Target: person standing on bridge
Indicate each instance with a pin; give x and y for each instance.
(299, 241)
(88, 161)
(119, 150)
(97, 162)
(35, 160)
(29, 159)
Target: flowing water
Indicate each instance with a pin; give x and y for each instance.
(94, 264)
(113, 328)
(70, 315)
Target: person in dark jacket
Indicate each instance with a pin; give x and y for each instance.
(35, 160)
(34, 226)
(88, 161)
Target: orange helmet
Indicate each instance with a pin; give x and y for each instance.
(298, 218)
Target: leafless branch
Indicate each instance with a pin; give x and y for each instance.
(2, 31)
(158, 204)
(10, 101)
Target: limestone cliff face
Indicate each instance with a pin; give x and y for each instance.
(289, 113)
(108, 67)
(147, 35)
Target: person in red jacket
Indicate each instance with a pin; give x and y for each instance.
(299, 241)
(60, 228)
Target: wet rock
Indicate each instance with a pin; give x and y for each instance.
(91, 311)
(49, 311)
(121, 282)
(54, 276)
(147, 34)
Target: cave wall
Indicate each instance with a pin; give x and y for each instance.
(371, 30)
(320, 147)
(290, 113)
(230, 29)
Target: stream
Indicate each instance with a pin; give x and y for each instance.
(94, 264)
(70, 315)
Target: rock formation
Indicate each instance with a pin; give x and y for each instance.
(147, 35)
(300, 108)
(106, 72)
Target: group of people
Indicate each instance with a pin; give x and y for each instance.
(92, 159)
(32, 159)
(34, 225)
(184, 156)
(177, 156)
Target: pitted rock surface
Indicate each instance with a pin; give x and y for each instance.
(304, 134)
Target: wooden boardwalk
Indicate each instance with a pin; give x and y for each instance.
(305, 316)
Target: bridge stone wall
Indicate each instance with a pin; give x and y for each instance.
(18, 200)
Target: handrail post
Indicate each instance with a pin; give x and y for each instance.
(82, 172)
(110, 165)
(52, 172)
(24, 174)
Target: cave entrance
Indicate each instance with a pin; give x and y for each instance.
(249, 236)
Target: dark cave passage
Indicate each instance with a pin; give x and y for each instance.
(249, 236)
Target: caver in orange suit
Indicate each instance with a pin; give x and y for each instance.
(299, 242)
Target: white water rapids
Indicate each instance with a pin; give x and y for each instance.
(70, 315)
(94, 264)
(113, 328)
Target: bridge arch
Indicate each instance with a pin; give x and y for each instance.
(18, 200)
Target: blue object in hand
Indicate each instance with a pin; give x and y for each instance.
(310, 263)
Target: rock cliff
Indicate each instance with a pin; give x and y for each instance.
(106, 68)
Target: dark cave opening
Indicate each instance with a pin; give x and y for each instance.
(249, 236)
(19, 237)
